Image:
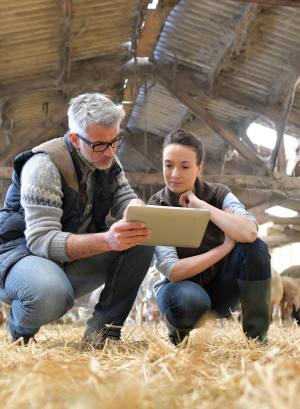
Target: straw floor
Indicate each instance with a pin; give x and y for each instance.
(218, 368)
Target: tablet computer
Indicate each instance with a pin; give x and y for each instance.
(171, 226)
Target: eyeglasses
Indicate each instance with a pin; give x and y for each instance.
(102, 146)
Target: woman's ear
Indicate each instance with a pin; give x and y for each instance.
(200, 167)
(74, 139)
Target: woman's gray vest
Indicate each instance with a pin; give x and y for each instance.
(12, 223)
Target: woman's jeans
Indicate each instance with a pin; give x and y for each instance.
(183, 303)
(40, 291)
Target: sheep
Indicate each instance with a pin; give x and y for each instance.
(276, 296)
(292, 271)
(290, 303)
(4, 313)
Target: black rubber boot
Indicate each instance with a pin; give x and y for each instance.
(24, 338)
(97, 332)
(255, 297)
(176, 335)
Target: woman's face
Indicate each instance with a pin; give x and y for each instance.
(180, 168)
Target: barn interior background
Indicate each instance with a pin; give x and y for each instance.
(228, 71)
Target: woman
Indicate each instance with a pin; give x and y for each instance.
(231, 265)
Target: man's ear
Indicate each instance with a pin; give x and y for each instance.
(74, 139)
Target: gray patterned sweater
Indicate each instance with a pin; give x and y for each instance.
(41, 198)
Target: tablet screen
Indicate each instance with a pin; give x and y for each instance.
(171, 226)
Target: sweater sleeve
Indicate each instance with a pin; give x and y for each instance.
(165, 259)
(41, 198)
(122, 195)
(232, 201)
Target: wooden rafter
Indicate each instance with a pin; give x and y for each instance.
(150, 30)
(225, 133)
(35, 135)
(279, 236)
(282, 122)
(153, 26)
(288, 3)
(65, 46)
(234, 39)
(104, 74)
(6, 123)
(265, 183)
(84, 74)
(259, 210)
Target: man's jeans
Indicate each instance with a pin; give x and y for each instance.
(40, 291)
(183, 303)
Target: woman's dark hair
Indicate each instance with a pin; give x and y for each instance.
(180, 137)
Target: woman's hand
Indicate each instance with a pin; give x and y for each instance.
(189, 199)
(228, 241)
(229, 210)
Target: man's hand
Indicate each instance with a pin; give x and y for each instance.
(189, 199)
(122, 235)
(137, 201)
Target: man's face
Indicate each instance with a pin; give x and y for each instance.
(95, 134)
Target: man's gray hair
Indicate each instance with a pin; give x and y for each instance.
(93, 108)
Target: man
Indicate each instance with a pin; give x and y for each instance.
(54, 242)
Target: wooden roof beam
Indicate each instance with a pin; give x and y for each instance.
(225, 133)
(6, 124)
(259, 210)
(280, 191)
(234, 39)
(288, 96)
(149, 33)
(34, 136)
(99, 74)
(279, 236)
(154, 23)
(288, 3)
(105, 74)
(5, 172)
(65, 44)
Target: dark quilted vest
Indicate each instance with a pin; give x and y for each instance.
(12, 224)
(212, 193)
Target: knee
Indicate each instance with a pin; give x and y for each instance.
(188, 303)
(139, 257)
(255, 261)
(45, 303)
(55, 300)
(141, 254)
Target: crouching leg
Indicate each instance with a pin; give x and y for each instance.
(182, 304)
(254, 285)
(39, 292)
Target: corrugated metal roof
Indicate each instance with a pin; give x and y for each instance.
(224, 111)
(102, 27)
(29, 110)
(31, 33)
(196, 31)
(29, 38)
(156, 110)
(193, 31)
(265, 63)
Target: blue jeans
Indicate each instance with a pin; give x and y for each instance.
(183, 303)
(40, 291)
